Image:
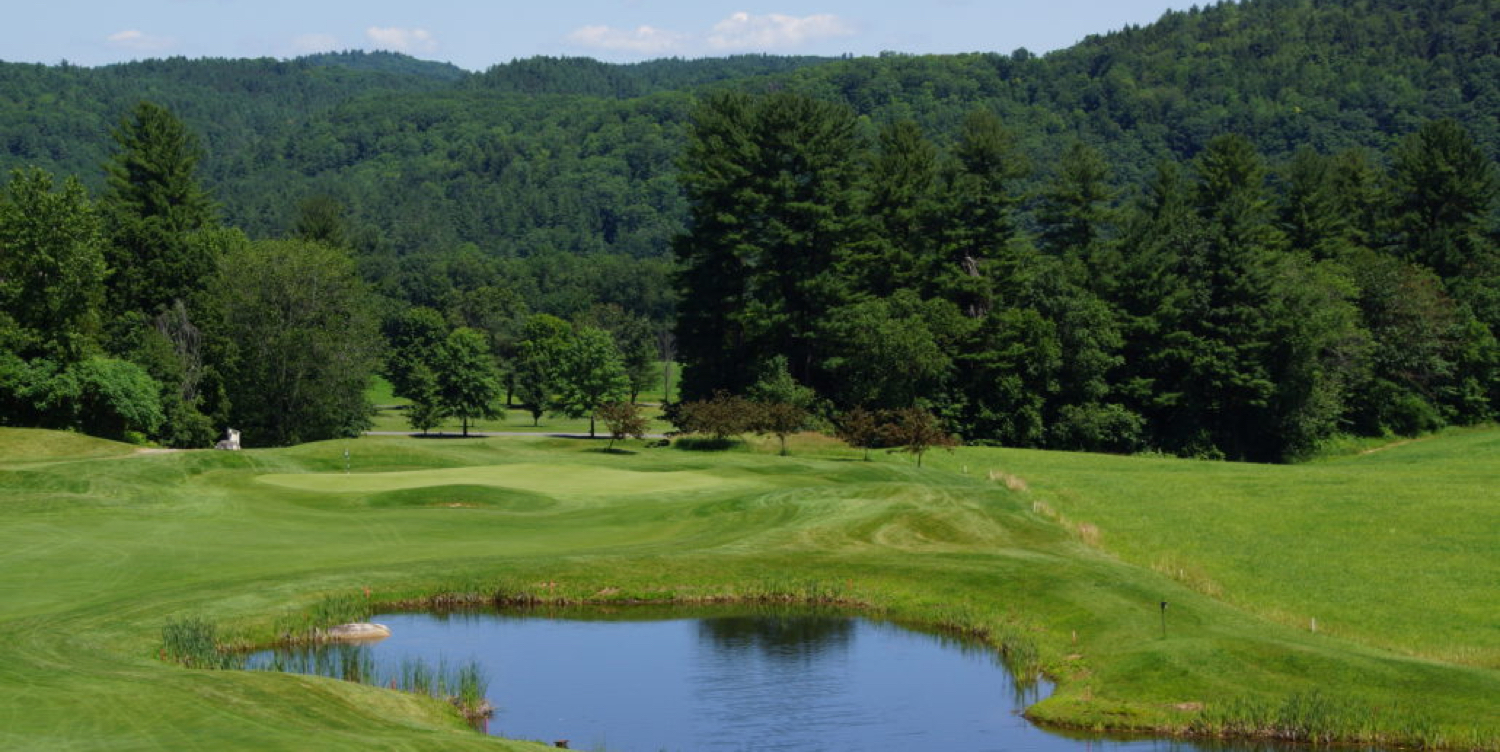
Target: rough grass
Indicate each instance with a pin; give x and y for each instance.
(101, 553)
(1398, 548)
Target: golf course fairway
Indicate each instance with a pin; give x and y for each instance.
(1355, 598)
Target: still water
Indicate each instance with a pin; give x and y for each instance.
(642, 680)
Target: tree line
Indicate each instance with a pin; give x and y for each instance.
(1074, 268)
(1228, 308)
(139, 316)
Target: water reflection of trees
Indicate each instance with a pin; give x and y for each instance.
(788, 638)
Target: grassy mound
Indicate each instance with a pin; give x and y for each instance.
(1061, 558)
(20, 445)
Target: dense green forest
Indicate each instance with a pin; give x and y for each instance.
(1234, 232)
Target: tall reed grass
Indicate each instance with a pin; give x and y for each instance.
(306, 624)
(193, 642)
(1319, 718)
(464, 685)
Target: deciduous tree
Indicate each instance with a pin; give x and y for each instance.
(590, 373)
(468, 384)
(916, 431)
(300, 338)
(622, 419)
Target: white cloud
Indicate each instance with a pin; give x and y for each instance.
(308, 44)
(647, 40)
(743, 31)
(740, 32)
(139, 41)
(402, 40)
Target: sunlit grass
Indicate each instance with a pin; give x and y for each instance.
(102, 552)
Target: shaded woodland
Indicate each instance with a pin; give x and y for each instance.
(1236, 232)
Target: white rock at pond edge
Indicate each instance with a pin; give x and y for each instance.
(357, 632)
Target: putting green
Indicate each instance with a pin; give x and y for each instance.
(557, 480)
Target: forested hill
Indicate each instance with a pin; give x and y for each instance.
(575, 156)
(1239, 231)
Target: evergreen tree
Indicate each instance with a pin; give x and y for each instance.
(980, 207)
(902, 186)
(153, 206)
(1313, 216)
(322, 219)
(1443, 188)
(1074, 217)
(770, 183)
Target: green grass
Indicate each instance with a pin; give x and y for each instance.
(390, 417)
(1063, 558)
(514, 421)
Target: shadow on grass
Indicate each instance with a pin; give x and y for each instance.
(706, 444)
(608, 450)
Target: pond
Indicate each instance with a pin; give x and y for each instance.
(644, 679)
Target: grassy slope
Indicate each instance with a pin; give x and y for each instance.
(1398, 548)
(99, 552)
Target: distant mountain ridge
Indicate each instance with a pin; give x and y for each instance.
(578, 156)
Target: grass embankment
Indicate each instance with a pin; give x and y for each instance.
(1064, 557)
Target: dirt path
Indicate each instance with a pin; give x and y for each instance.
(1393, 445)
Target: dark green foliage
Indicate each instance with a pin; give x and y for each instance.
(114, 398)
(1219, 322)
(634, 340)
(875, 222)
(584, 76)
(903, 202)
(589, 373)
(543, 340)
(322, 219)
(153, 175)
(153, 206)
(976, 262)
(300, 339)
(777, 385)
(721, 418)
(174, 350)
(779, 405)
(51, 268)
(104, 396)
(1443, 189)
(426, 410)
(1074, 217)
(414, 337)
(467, 383)
(769, 183)
(891, 352)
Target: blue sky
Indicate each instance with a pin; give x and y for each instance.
(476, 34)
